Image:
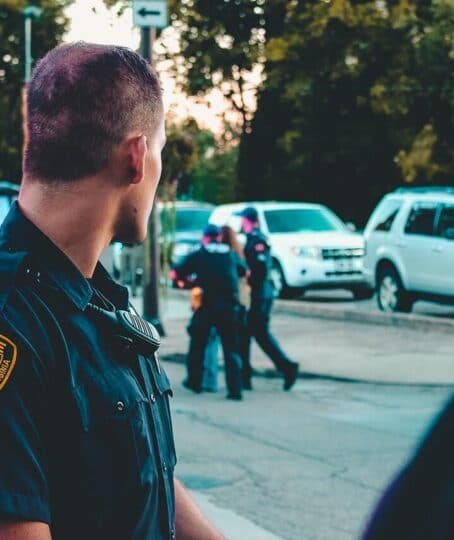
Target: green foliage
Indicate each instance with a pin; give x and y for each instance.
(198, 166)
(180, 152)
(220, 42)
(214, 178)
(46, 33)
(358, 97)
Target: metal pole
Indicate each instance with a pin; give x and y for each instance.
(28, 48)
(151, 263)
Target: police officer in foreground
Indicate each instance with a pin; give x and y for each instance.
(86, 443)
(217, 268)
(258, 257)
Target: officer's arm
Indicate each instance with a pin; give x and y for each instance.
(25, 530)
(191, 524)
(242, 267)
(257, 257)
(186, 267)
(24, 491)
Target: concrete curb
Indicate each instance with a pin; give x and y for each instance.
(404, 320)
(309, 309)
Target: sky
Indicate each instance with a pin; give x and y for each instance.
(91, 21)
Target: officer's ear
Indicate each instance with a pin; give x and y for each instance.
(137, 150)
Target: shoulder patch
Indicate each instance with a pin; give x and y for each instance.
(8, 355)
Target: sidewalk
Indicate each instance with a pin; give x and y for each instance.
(339, 349)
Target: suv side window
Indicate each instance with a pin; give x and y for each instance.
(421, 219)
(446, 222)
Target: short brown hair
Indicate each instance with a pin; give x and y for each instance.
(82, 101)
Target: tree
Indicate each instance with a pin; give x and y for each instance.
(353, 90)
(47, 32)
(220, 43)
(197, 165)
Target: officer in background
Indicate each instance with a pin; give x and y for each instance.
(258, 257)
(217, 268)
(86, 441)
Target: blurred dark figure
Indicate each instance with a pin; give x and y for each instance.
(419, 503)
(217, 269)
(210, 358)
(258, 257)
(229, 237)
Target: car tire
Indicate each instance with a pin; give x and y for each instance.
(391, 294)
(281, 289)
(361, 292)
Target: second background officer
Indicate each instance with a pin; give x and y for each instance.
(217, 268)
(258, 256)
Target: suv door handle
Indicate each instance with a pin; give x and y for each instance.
(401, 244)
(437, 249)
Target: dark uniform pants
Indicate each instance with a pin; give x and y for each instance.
(224, 317)
(259, 328)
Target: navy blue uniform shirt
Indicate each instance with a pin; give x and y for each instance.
(86, 441)
(217, 268)
(257, 252)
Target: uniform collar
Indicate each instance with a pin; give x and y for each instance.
(19, 234)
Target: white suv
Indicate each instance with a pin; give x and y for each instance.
(311, 247)
(410, 248)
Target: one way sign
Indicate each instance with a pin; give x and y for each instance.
(150, 13)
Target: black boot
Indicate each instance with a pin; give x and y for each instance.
(290, 375)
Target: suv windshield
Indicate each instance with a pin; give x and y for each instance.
(185, 220)
(293, 220)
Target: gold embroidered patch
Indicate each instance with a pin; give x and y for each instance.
(8, 354)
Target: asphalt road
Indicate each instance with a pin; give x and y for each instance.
(338, 348)
(308, 464)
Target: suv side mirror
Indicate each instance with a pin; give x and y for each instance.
(351, 226)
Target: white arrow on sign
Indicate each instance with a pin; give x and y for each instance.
(150, 13)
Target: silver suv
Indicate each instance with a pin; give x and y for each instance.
(312, 248)
(410, 248)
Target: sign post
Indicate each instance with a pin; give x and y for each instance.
(149, 15)
(29, 13)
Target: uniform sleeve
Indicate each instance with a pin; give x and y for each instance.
(24, 494)
(257, 254)
(241, 265)
(187, 266)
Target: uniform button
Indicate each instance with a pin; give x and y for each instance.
(152, 398)
(120, 406)
(172, 535)
(164, 466)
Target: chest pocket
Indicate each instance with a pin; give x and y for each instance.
(116, 447)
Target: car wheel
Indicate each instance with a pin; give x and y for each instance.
(281, 289)
(278, 279)
(362, 292)
(391, 295)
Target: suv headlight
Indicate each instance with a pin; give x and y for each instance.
(312, 252)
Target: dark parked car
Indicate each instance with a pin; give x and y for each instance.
(182, 225)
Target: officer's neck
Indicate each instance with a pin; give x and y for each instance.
(78, 218)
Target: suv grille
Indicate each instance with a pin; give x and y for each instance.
(342, 253)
